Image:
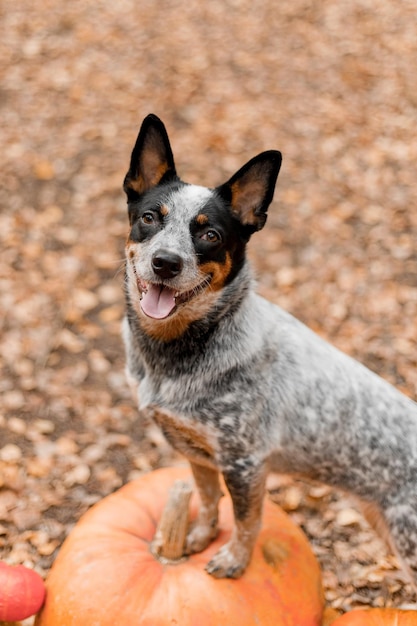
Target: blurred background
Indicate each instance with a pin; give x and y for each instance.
(333, 86)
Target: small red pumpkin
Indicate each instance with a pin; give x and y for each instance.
(22, 592)
(105, 573)
(377, 617)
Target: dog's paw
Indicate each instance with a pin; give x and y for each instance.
(199, 537)
(225, 564)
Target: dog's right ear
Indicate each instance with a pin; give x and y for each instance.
(152, 161)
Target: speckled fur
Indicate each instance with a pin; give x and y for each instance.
(246, 388)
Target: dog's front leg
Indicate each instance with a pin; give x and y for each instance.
(247, 488)
(204, 529)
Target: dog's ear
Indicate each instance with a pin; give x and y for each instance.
(250, 191)
(152, 161)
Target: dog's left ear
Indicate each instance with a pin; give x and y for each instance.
(250, 191)
(152, 161)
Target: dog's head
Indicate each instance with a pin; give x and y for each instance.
(187, 242)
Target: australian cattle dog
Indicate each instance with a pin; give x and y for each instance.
(238, 385)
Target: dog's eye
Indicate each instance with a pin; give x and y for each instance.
(148, 218)
(211, 236)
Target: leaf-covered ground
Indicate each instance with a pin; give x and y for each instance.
(333, 86)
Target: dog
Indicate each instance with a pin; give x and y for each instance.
(237, 385)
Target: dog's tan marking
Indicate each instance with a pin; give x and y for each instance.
(245, 199)
(202, 219)
(173, 327)
(218, 271)
(163, 210)
(152, 172)
(183, 434)
(204, 529)
(130, 247)
(168, 329)
(375, 518)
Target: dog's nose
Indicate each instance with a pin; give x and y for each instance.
(166, 264)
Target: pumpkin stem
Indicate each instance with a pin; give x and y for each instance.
(169, 540)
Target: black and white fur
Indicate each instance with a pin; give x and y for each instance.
(238, 385)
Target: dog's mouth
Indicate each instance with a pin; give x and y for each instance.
(159, 301)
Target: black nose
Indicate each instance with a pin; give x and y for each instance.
(166, 264)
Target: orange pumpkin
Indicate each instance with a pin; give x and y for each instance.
(105, 573)
(377, 617)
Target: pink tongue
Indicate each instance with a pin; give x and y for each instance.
(158, 301)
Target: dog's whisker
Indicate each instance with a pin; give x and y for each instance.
(120, 269)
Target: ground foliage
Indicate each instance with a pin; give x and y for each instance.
(331, 84)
